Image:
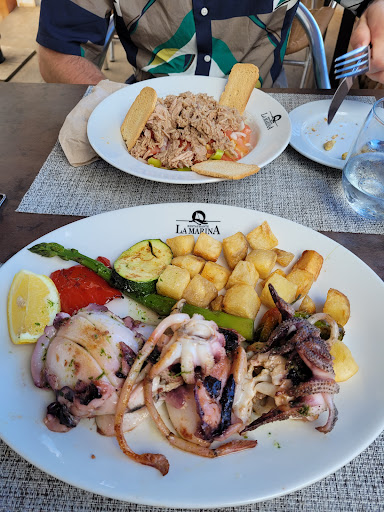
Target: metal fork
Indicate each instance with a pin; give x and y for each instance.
(353, 63)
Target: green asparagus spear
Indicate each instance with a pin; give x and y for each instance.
(157, 303)
(52, 249)
(243, 326)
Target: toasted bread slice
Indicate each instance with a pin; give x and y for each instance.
(241, 82)
(225, 169)
(137, 116)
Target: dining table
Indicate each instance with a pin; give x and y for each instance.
(31, 116)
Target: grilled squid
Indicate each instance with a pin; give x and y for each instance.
(201, 410)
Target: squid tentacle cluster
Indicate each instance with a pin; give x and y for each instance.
(299, 340)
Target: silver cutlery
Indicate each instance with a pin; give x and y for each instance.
(347, 66)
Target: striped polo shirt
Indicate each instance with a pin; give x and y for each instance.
(165, 37)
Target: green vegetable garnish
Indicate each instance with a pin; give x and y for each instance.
(218, 155)
(184, 169)
(49, 250)
(154, 161)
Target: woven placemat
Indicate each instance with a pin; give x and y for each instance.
(358, 486)
(291, 186)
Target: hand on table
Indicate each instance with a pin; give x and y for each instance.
(369, 29)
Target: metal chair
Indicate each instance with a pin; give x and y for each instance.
(316, 46)
(108, 45)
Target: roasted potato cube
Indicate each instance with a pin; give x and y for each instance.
(244, 273)
(200, 292)
(241, 300)
(262, 237)
(217, 304)
(192, 263)
(235, 249)
(283, 287)
(264, 261)
(181, 245)
(308, 305)
(172, 282)
(277, 271)
(344, 364)
(207, 247)
(311, 261)
(337, 305)
(303, 279)
(217, 274)
(284, 258)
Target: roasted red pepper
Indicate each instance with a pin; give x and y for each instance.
(104, 261)
(78, 287)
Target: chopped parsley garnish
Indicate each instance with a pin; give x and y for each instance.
(304, 410)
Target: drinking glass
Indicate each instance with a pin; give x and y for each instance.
(363, 173)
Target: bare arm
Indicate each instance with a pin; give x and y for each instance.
(70, 69)
(370, 30)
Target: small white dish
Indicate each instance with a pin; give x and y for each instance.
(310, 130)
(267, 118)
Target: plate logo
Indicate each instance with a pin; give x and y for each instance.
(270, 120)
(198, 223)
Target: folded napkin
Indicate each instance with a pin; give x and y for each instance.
(73, 134)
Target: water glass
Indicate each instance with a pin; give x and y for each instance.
(363, 173)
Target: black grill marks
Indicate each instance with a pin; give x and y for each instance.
(226, 403)
(60, 411)
(212, 385)
(231, 339)
(86, 392)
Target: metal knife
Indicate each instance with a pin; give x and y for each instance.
(338, 97)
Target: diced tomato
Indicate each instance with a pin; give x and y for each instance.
(79, 286)
(104, 261)
(241, 147)
(228, 158)
(155, 150)
(247, 130)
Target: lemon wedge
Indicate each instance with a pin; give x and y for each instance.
(344, 364)
(33, 302)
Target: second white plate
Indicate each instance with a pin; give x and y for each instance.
(310, 130)
(268, 119)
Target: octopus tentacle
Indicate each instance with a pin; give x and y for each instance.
(314, 386)
(279, 333)
(277, 414)
(315, 359)
(332, 414)
(286, 310)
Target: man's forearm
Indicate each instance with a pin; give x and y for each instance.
(70, 69)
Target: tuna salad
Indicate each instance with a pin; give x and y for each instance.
(190, 128)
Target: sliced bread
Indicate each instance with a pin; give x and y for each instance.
(225, 169)
(241, 82)
(138, 115)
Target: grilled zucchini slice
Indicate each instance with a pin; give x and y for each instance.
(138, 268)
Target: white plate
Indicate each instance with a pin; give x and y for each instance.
(267, 471)
(267, 118)
(310, 130)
